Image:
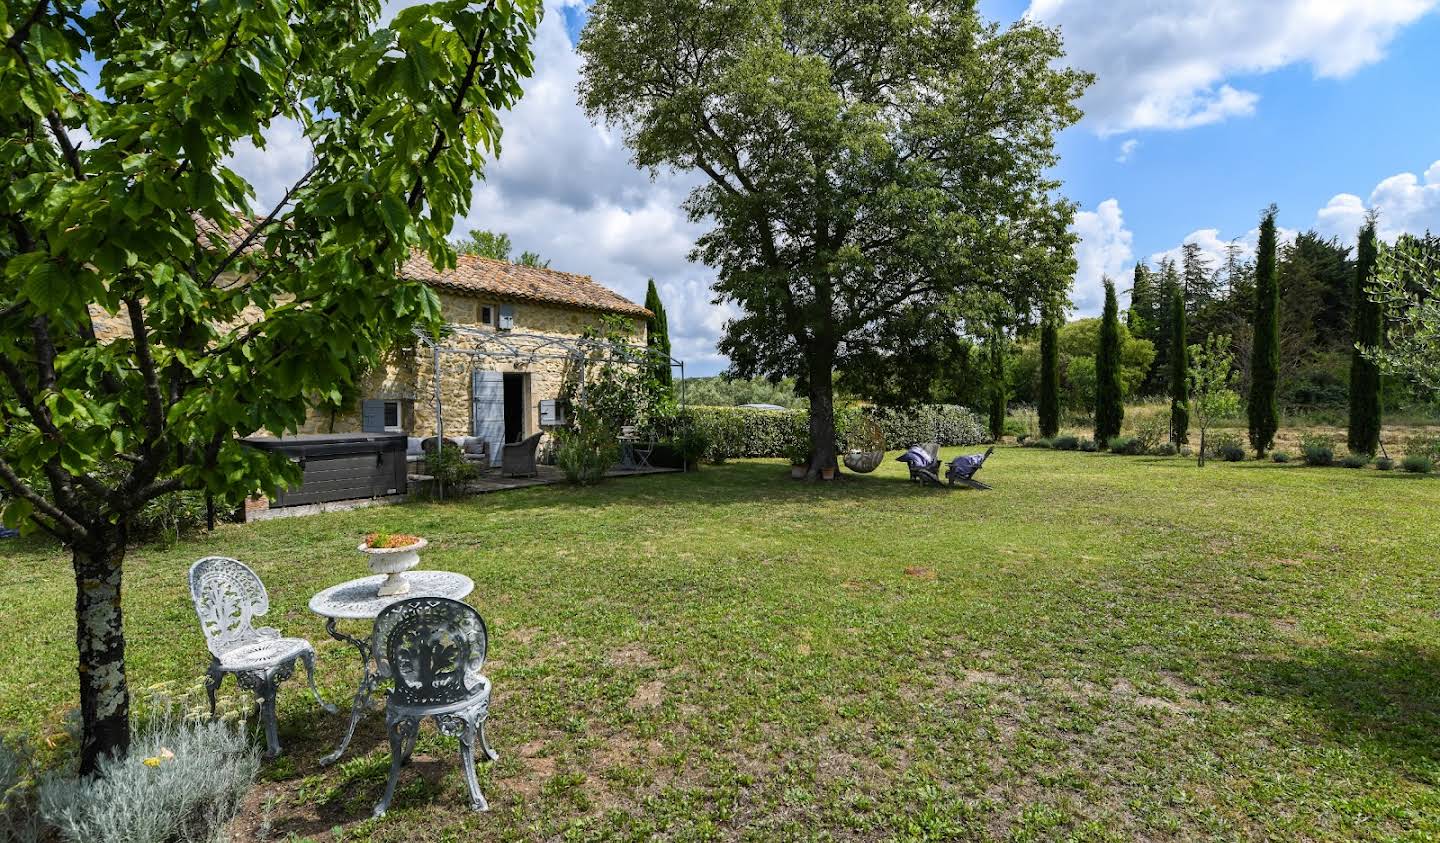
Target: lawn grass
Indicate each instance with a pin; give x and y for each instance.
(1101, 648)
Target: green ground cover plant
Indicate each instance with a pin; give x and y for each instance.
(1317, 450)
(1098, 649)
(1417, 464)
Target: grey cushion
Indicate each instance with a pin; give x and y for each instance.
(428, 443)
(475, 446)
(413, 447)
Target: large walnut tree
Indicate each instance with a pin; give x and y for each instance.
(867, 168)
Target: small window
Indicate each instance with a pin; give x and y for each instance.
(487, 315)
(392, 417)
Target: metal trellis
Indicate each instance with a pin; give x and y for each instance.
(495, 345)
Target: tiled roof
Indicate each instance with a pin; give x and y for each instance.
(218, 239)
(476, 275)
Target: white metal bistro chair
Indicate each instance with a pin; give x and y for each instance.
(228, 596)
(433, 649)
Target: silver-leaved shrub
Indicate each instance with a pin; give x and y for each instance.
(182, 780)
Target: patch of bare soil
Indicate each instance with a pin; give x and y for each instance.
(647, 696)
(920, 573)
(632, 655)
(1122, 689)
(523, 635)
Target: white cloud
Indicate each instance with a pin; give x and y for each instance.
(1406, 203)
(568, 190)
(1214, 247)
(273, 168)
(1165, 64)
(1127, 149)
(1104, 248)
(1342, 216)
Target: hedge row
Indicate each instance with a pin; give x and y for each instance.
(736, 432)
(948, 424)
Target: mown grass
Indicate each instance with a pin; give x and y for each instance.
(1101, 648)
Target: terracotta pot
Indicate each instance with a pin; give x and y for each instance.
(827, 474)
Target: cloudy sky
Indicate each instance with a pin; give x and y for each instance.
(1206, 111)
(1203, 113)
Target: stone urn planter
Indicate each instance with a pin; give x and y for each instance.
(392, 556)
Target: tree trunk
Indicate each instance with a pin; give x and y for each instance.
(100, 640)
(822, 412)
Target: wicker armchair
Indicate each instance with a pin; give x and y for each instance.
(517, 459)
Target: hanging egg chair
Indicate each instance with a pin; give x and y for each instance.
(867, 446)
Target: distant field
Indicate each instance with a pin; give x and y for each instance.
(1101, 648)
(1398, 429)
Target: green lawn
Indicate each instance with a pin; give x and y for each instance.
(1101, 648)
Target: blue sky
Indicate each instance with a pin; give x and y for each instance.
(1308, 140)
(1325, 107)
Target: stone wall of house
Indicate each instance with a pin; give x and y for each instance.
(393, 379)
(408, 374)
(546, 376)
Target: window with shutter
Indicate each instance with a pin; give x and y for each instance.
(372, 416)
(507, 317)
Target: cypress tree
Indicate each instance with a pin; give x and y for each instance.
(1140, 317)
(1049, 373)
(1264, 413)
(1109, 409)
(658, 337)
(1179, 372)
(1364, 374)
(1165, 281)
(998, 399)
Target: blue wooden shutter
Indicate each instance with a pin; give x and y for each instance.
(372, 416)
(487, 410)
(507, 317)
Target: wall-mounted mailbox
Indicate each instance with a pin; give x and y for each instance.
(553, 414)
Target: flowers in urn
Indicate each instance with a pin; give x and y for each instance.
(392, 555)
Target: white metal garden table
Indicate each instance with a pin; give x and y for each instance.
(356, 600)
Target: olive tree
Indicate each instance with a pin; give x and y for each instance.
(1211, 398)
(149, 313)
(1406, 287)
(862, 165)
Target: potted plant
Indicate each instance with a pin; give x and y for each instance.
(392, 555)
(799, 455)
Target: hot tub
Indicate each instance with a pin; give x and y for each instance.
(340, 466)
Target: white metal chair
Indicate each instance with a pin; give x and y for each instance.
(228, 596)
(433, 649)
(643, 447)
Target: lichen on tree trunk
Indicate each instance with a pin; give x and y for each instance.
(100, 640)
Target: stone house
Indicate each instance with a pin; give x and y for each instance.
(491, 395)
